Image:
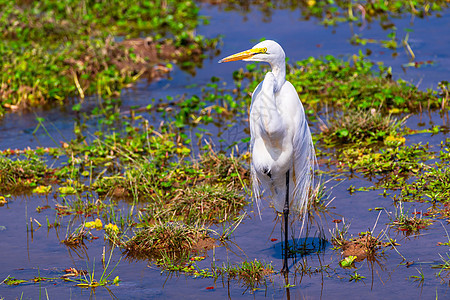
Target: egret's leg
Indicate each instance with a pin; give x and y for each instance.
(286, 222)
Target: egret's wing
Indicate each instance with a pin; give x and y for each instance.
(265, 122)
(305, 163)
(254, 112)
(304, 159)
(283, 120)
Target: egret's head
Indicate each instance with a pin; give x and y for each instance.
(266, 51)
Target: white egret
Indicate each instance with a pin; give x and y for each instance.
(283, 156)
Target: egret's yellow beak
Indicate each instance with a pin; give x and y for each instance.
(243, 55)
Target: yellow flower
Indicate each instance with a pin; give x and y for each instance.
(42, 189)
(112, 227)
(394, 141)
(97, 224)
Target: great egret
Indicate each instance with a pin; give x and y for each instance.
(283, 156)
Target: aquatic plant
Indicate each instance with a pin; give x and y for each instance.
(444, 266)
(409, 224)
(391, 163)
(354, 83)
(338, 235)
(23, 174)
(87, 279)
(432, 185)
(171, 239)
(356, 277)
(359, 126)
(348, 262)
(46, 60)
(334, 12)
(251, 274)
(77, 237)
(13, 281)
(364, 246)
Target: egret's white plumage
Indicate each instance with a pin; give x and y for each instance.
(280, 135)
(283, 156)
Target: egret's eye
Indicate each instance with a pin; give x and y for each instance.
(261, 51)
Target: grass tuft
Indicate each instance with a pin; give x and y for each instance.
(409, 224)
(172, 239)
(250, 273)
(355, 126)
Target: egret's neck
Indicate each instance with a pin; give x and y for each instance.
(279, 70)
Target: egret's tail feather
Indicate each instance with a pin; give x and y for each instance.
(256, 189)
(302, 185)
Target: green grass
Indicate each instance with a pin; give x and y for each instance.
(52, 50)
(88, 280)
(409, 224)
(356, 277)
(172, 239)
(359, 126)
(350, 84)
(416, 171)
(23, 174)
(250, 274)
(444, 266)
(13, 281)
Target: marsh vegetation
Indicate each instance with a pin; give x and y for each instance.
(160, 185)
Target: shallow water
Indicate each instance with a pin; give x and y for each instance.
(25, 256)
